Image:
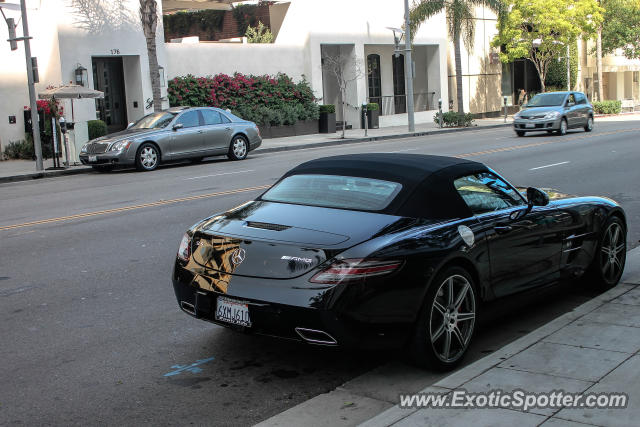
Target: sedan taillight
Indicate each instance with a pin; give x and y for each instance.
(348, 270)
(184, 251)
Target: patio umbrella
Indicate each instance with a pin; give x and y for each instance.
(71, 92)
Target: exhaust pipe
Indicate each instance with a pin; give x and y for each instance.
(313, 336)
(188, 308)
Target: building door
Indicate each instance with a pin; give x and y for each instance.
(374, 80)
(108, 77)
(399, 94)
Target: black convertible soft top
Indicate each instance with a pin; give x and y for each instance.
(427, 181)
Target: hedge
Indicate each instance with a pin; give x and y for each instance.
(454, 119)
(266, 100)
(328, 108)
(607, 107)
(97, 128)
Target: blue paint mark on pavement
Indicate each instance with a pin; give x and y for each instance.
(193, 368)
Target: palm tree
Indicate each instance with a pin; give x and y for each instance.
(149, 19)
(460, 23)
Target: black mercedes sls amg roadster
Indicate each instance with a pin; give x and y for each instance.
(379, 250)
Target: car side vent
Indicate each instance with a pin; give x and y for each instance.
(267, 226)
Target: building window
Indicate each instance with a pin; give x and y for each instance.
(374, 79)
(399, 94)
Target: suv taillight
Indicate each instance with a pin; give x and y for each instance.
(348, 270)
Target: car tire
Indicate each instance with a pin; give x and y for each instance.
(607, 266)
(239, 148)
(440, 329)
(520, 132)
(103, 169)
(589, 126)
(147, 157)
(563, 127)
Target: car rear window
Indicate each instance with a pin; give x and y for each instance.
(334, 191)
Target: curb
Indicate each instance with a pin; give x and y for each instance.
(44, 174)
(53, 174)
(375, 138)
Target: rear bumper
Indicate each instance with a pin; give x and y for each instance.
(255, 143)
(302, 312)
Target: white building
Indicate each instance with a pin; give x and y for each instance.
(103, 37)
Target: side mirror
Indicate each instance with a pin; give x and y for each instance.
(130, 124)
(537, 197)
(178, 126)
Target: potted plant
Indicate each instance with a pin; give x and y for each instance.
(327, 118)
(373, 115)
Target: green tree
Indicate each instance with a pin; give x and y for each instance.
(621, 27)
(460, 25)
(540, 30)
(259, 34)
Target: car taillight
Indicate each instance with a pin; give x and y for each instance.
(347, 270)
(184, 251)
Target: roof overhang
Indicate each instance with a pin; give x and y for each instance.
(169, 6)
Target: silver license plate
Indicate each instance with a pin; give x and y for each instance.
(93, 159)
(530, 125)
(232, 311)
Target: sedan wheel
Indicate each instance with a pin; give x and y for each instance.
(589, 126)
(447, 321)
(147, 159)
(238, 149)
(610, 259)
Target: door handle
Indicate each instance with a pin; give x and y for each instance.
(200, 131)
(227, 128)
(502, 229)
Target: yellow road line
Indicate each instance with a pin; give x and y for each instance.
(263, 187)
(130, 208)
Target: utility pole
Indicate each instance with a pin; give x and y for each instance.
(35, 124)
(408, 65)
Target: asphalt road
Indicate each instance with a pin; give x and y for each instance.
(89, 327)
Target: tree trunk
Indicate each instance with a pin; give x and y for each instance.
(344, 119)
(149, 20)
(458, 59)
(599, 62)
(154, 72)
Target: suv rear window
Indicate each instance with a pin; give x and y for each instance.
(334, 191)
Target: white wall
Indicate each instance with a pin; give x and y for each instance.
(64, 36)
(205, 59)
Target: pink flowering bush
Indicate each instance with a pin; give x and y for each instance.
(273, 100)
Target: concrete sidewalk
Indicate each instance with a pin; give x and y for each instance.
(594, 348)
(22, 170)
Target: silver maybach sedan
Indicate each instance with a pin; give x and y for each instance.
(174, 134)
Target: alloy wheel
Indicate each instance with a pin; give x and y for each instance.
(589, 126)
(612, 252)
(563, 127)
(239, 148)
(148, 157)
(452, 318)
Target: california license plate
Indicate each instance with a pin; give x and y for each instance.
(232, 311)
(530, 125)
(93, 159)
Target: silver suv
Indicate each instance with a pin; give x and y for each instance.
(554, 112)
(175, 134)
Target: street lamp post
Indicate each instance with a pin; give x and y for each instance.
(408, 65)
